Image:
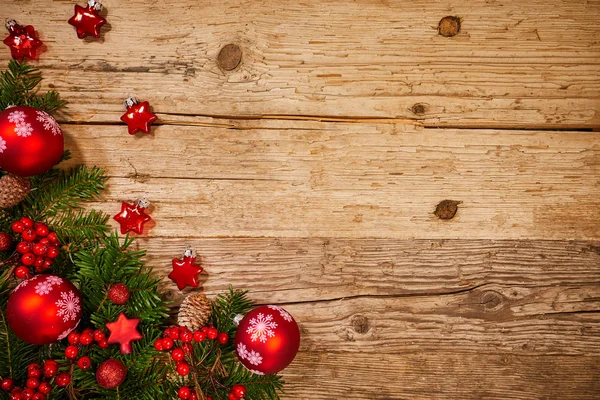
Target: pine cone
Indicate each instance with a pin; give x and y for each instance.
(13, 189)
(195, 311)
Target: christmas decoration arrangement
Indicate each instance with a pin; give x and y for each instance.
(81, 315)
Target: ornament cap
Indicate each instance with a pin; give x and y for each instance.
(189, 252)
(95, 4)
(10, 24)
(237, 319)
(142, 203)
(130, 102)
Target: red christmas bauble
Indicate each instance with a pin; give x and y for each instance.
(267, 340)
(31, 142)
(111, 373)
(44, 309)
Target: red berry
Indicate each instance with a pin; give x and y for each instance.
(184, 392)
(34, 370)
(47, 263)
(27, 222)
(174, 333)
(99, 335)
(38, 262)
(27, 393)
(223, 338)
(159, 345)
(239, 391)
(177, 354)
(167, 343)
(204, 329)
(199, 336)
(103, 344)
(187, 348)
(38, 396)
(24, 247)
(50, 368)
(62, 379)
(7, 384)
(84, 362)
(53, 237)
(33, 383)
(52, 252)
(73, 338)
(183, 368)
(39, 249)
(86, 338)
(41, 229)
(186, 336)
(194, 397)
(28, 235)
(18, 227)
(212, 333)
(45, 388)
(71, 352)
(28, 259)
(232, 396)
(87, 331)
(15, 394)
(22, 272)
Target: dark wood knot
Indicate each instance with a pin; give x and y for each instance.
(360, 324)
(229, 57)
(491, 300)
(419, 109)
(447, 209)
(449, 26)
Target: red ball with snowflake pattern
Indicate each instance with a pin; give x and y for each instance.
(44, 309)
(31, 141)
(267, 340)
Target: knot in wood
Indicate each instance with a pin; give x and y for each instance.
(447, 209)
(491, 300)
(449, 26)
(360, 324)
(229, 57)
(419, 109)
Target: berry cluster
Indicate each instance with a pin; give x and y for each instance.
(39, 382)
(38, 247)
(78, 343)
(178, 340)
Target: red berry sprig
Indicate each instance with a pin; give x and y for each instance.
(80, 342)
(38, 247)
(39, 381)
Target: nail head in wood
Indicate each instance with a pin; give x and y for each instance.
(229, 57)
(447, 209)
(449, 26)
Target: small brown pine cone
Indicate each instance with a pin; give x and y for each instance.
(195, 311)
(13, 189)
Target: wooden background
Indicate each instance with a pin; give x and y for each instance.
(310, 174)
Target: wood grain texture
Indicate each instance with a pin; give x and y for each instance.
(514, 63)
(350, 180)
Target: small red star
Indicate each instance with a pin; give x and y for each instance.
(132, 217)
(138, 116)
(185, 271)
(86, 20)
(123, 331)
(21, 40)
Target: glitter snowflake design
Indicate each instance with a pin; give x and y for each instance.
(54, 280)
(68, 306)
(43, 288)
(16, 117)
(241, 350)
(254, 357)
(23, 129)
(50, 123)
(262, 327)
(284, 314)
(20, 285)
(255, 371)
(2, 144)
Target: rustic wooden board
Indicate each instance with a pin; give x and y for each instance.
(350, 180)
(514, 63)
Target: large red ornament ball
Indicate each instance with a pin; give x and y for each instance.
(267, 340)
(31, 142)
(111, 373)
(44, 309)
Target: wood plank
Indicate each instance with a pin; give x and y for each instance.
(350, 180)
(514, 63)
(327, 269)
(431, 374)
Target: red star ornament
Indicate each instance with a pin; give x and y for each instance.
(138, 116)
(22, 41)
(133, 216)
(123, 331)
(185, 271)
(87, 20)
